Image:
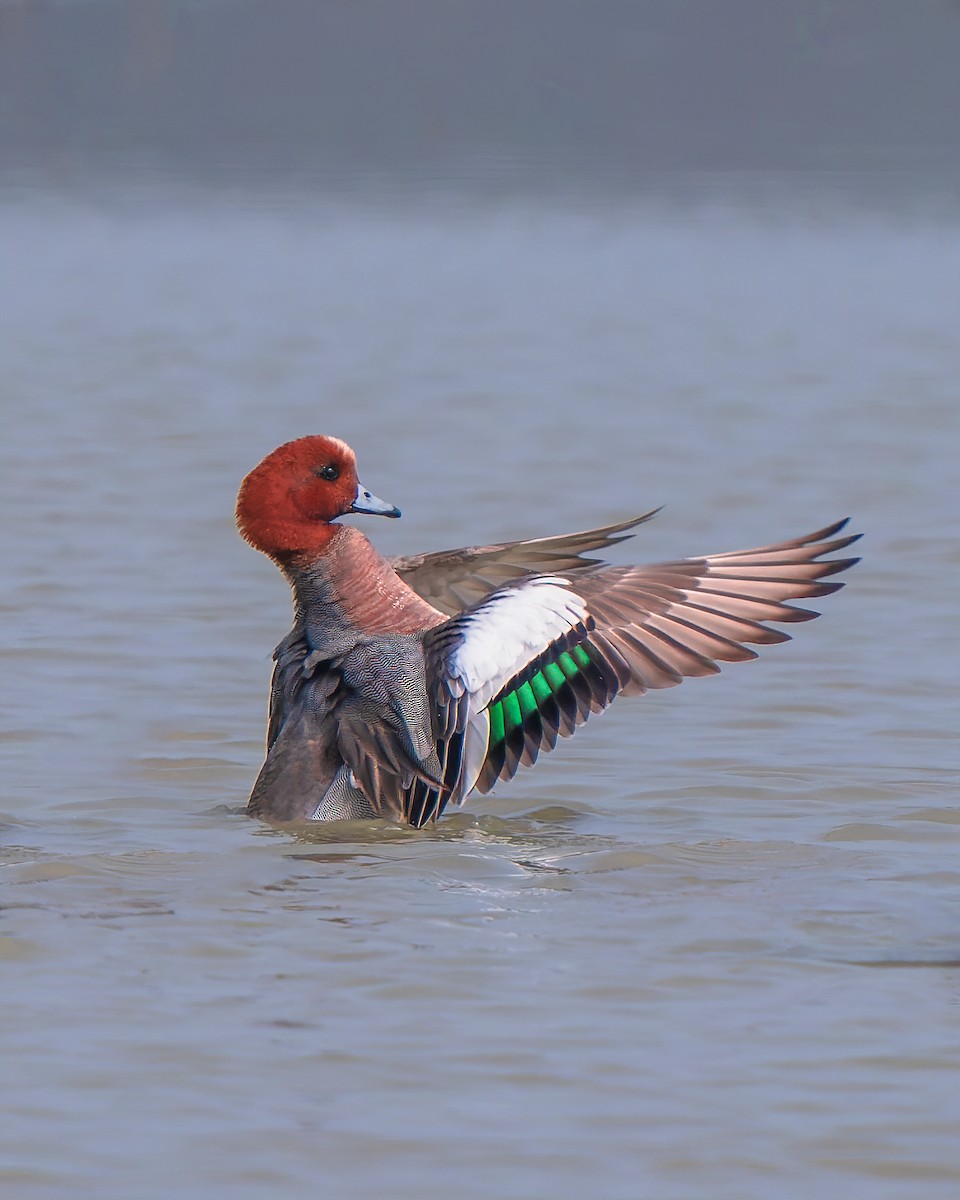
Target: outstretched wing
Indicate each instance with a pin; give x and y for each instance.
(533, 660)
(453, 580)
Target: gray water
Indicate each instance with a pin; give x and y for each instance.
(710, 947)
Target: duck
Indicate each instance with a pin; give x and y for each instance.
(408, 683)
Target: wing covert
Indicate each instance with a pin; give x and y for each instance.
(455, 580)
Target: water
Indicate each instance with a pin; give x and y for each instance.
(708, 948)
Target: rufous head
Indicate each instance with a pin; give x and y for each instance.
(286, 503)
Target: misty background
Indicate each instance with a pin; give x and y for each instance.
(578, 98)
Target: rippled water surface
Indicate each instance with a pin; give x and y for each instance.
(710, 948)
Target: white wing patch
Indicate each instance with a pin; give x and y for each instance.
(507, 631)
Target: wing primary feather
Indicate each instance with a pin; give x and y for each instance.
(821, 535)
(737, 629)
(763, 610)
(688, 661)
(710, 644)
(765, 589)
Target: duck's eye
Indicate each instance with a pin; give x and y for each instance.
(328, 472)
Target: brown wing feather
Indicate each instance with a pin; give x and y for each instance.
(677, 619)
(454, 580)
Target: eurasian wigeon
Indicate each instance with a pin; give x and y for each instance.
(407, 683)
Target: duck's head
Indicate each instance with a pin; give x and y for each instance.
(286, 503)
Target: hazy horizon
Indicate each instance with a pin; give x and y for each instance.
(626, 100)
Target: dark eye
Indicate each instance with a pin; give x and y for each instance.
(329, 472)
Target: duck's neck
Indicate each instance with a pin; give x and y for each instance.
(351, 592)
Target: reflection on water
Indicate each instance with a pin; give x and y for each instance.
(638, 970)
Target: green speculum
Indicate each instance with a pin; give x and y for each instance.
(510, 710)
